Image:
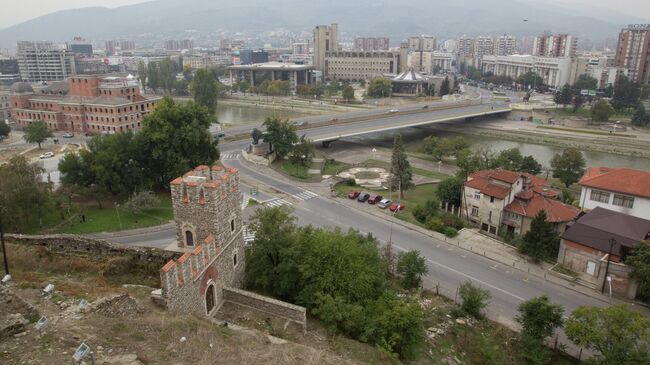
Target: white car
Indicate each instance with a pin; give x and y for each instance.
(393, 110)
(46, 155)
(384, 203)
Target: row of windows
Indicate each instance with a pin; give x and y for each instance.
(619, 199)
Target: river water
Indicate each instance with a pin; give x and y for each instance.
(233, 115)
(413, 139)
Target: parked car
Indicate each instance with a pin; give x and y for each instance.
(394, 207)
(363, 197)
(393, 111)
(425, 107)
(374, 199)
(384, 203)
(46, 155)
(353, 194)
(68, 135)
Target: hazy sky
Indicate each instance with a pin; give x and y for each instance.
(16, 11)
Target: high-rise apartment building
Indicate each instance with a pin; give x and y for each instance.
(371, 43)
(300, 48)
(44, 61)
(633, 52)
(422, 43)
(465, 45)
(325, 40)
(505, 45)
(558, 45)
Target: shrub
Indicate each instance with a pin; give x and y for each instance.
(450, 232)
(424, 212)
(474, 299)
(435, 224)
(452, 221)
(350, 182)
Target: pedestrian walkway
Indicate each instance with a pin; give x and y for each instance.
(249, 235)
(305, 195)
(277, 203)
(230, 156)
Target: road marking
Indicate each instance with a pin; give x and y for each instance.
(249, 234)
(305, 195)
(277, 203)
(230, 156)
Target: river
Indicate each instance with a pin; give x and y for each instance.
(413, 139)
(234, 115)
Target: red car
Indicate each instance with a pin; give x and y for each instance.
(353, 194)
(374, 199)
(394, 207)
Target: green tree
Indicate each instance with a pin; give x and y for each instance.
(380, 87)
(153, 77)
(568, 166)
(281, 134)
(531, 166)
(450, 190)
(538, 318)
(4, 129)
(578, 101)
(142, 75)
(244, 86)
(601, 111)
(619, 335)
(24, 196)
(530, 80)
(348, 93)
(444, 87)
(645, 91)
(585, 82)
(639, 118)
(411, 266)
(400, 166)
(474, 299)
(176, 139)
(541, 241)
(423, 212)
(141, 201)
(510, 159)
(467, 162)
(567, 196)
(37, 132)
(303, 152)
(639, 260)
(564, 96)
(167, 74)
(204, 90)
(626, 94)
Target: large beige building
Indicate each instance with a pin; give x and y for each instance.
(429, 61)
(555, 72)
(358, 65)
(558, 45)
(422, 43)
(325, 40)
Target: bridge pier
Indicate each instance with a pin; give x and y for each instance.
(326, 144)
(469, 119)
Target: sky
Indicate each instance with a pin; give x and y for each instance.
(17, 11)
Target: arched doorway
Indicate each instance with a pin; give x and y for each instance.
(189, 238)
(209, 299)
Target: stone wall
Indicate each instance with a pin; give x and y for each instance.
(267, 305)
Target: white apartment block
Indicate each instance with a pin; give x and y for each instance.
(505, 45)
(422, 43)
(554, 71)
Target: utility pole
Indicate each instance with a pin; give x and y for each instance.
(4, 249)
(612, 242)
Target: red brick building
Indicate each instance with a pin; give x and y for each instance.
(85, 104)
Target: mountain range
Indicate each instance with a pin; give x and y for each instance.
(396, 19)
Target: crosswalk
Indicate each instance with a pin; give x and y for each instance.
(277, 203)
(305, 195)
(249, 235)
(230, 156)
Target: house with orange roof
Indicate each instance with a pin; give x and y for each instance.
(619, 189)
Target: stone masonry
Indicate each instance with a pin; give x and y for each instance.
(207, 212)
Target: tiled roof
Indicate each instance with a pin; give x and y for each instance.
(556, 211)
(621, 180)
(502, 175)
(486, 187)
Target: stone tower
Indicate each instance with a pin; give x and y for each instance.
(207, 212)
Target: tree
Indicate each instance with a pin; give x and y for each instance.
(400, 166)
(626, 94)
(639, 260)
(4, 129)
(568, 166)
(303, 152)
(175, 138)
(423, 212)
(23, 194)
(441, 148)
(281, 134)
(244, 86)
(538, 318)
(142, 75)
(153, 79)
(601, 111)
(639, 118)
(380, 87)
(204, 90)
(473, 298)
(37, 132)
(510, 159)
(411, 266)
(578, 101)
(567, 196)
(142, 200)
(531, 166)
(467, 163)
(348, 93)
(619, 335)
(167, 74)
(530, 80)
(541, 241)
(450, 190)
(585, 82)
(564, 96)
(444, 87)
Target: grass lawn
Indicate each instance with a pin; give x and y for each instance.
(584, 131)
(291, 169)
(586, 113)
(415, 170)
(332, 167)
(107, 220)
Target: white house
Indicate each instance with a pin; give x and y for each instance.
(618, 189)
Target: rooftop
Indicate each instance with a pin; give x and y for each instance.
(556, 211)
(621, 180)
(272, 66)
(409, 76)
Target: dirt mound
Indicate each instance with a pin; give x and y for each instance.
(11, 303)
(122, 305)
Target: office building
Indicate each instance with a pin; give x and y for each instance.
(80, 46)
(249, 56)
(360, 65)
(44, 61)
(371, 43)
(9, 72)
(422, 43)
(83, 104)
(256, 74)
(558, 45)
(633, 52)
(325, 40)
(554, 71)
(300, 48)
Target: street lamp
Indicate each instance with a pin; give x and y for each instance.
(612, 242)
